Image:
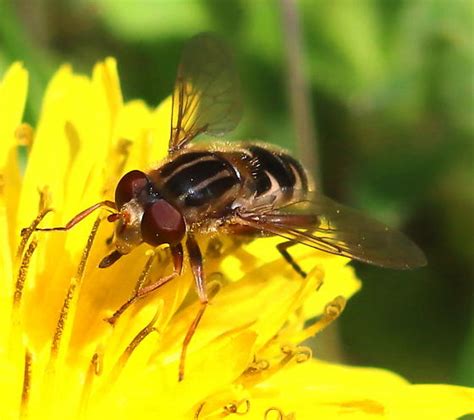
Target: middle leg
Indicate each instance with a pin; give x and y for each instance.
(195, 260)
(177, 256)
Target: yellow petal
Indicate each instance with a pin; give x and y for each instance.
(13, 91)
(321, 390)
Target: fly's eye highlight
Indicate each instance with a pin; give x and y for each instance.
(162, 224)
(129, 187)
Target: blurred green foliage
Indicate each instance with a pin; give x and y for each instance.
(392, 86)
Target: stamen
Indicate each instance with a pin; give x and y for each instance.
(213, 289)
(27, 232)
(240, 408)
(303, 354)
(95, 369)
(331, 312)
(235, 407)
(279, 413)
(289, 353)
(138, 285)
(15, 332)
(87, 249)
(198, 411)
(335, 307)
(62, 319)
(145, 272)
(257, 366)
(96, 364)
(260, 370)
(142, 334)
(25, 394)
(45, 198)
(300, 354)
(43, 206)
(187, 338)
(256, 373)
(22, 273)
(73, 286)
(319, 273)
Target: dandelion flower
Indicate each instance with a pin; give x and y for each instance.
(59, 359)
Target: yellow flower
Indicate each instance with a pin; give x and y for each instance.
(59, 359)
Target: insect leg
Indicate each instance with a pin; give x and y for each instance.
(298, 220)
(81, 216)
(195, 259)
(280, 224)
(283, 249)
(177, 256)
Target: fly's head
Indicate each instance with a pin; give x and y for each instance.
(143, 216)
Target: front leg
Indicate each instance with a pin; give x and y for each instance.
(195, 260)
(177, 256)
(80, 216)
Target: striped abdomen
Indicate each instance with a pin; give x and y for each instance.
(277, 176)
(205, 183)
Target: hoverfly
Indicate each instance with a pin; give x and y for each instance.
(238, 189)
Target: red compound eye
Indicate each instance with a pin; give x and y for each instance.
(162, 224)
(129, 187)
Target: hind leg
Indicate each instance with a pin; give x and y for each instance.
(283, 250)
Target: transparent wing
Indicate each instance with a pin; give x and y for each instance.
(206, 96)
(326, 225)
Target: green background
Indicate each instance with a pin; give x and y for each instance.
(391, 93)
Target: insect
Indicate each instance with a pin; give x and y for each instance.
(248, 189)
